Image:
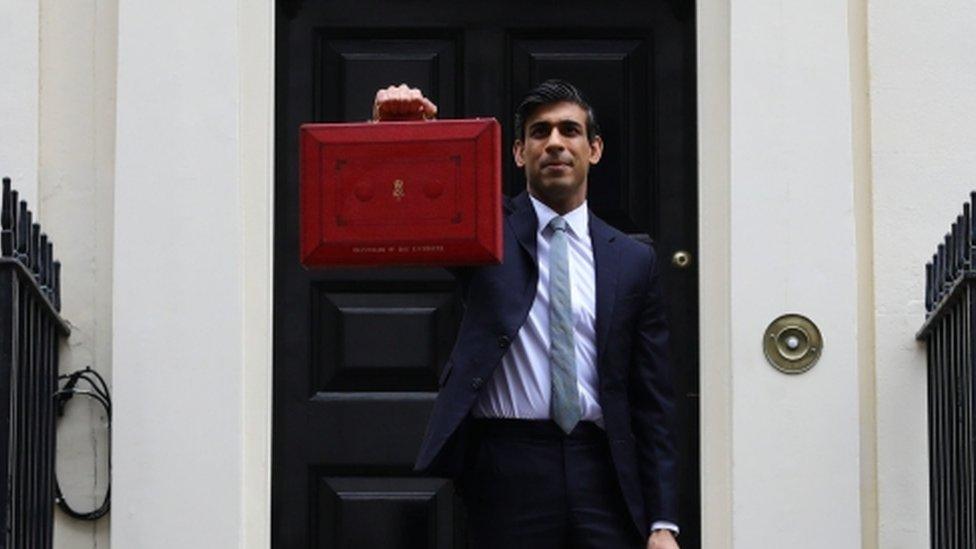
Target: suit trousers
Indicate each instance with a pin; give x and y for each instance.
(528, 484)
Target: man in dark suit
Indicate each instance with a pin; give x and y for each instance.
(556, 408)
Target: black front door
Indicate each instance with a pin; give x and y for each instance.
(357, 352)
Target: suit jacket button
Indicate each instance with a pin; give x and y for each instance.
(476, 383)
(503, 341)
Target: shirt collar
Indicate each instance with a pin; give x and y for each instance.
(578, 219)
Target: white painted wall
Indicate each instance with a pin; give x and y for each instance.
(923, 105)
(795, 440)
(179, 283)
(19, 97)
(77, 164)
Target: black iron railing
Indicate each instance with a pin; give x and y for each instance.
(948, 332)
(30, 328)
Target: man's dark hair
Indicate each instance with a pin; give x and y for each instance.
(547, 93)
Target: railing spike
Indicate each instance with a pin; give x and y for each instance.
(960, 240)
(15, 225)
(48, 270)
(953, 247)
(56, 285)
(960, 243)
(35, 256)
(6, 222)
(967, 237)
(928, 287)
(940, 272)
(969, 214)
(948, 258)
(42, 261)
(946, 274)
(6, 218)
(28, 236)
(23, 227)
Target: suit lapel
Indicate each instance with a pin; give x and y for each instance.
(606, 265)
(525, 224)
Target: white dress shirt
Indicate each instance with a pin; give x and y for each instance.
(521, 387)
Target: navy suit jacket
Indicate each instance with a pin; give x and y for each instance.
(635, 389)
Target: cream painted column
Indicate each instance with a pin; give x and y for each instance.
(19, 95)
(77, 163)
(179, 282)
(795, 445)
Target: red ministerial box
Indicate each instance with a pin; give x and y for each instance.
(401, 193)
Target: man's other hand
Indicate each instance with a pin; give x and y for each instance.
(402, 103)
(662, 539)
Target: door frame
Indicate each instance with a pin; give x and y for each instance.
(256, 25)
(714, 252)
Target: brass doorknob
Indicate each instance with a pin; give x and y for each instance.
(681, 259)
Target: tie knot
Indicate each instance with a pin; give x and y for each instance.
(558, 223)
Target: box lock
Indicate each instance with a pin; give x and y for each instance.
(792, 343)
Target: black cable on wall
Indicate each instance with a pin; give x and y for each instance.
(98, 390)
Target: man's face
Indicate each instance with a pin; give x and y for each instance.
(556, 153)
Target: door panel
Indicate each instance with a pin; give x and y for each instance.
(349, 66)
(359, 512)
(381, 340)
(358, 352)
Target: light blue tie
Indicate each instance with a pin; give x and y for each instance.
(564, 405)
